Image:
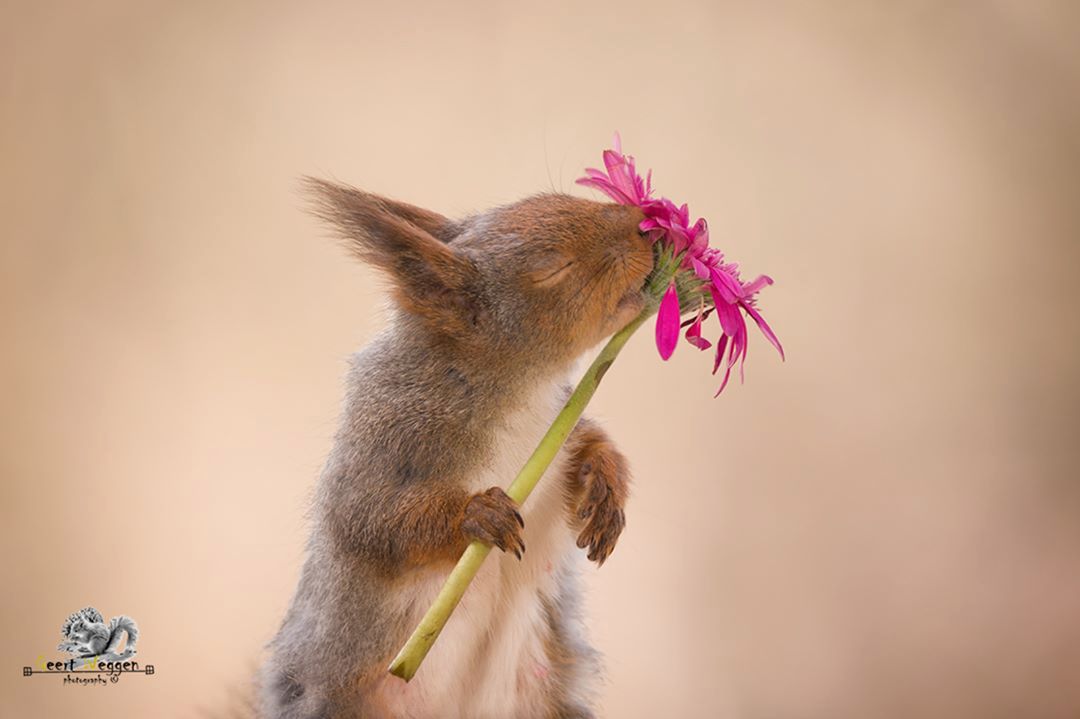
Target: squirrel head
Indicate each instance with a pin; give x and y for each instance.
(86, 635)
(533, 283)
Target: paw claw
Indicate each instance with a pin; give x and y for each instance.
(493, 518)
(602, 514)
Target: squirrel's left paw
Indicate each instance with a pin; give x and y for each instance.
(601, 506)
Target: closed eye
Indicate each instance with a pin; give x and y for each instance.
(548, 276)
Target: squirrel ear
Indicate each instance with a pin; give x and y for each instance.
(408, 242)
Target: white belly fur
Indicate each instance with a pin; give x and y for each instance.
(489, 660)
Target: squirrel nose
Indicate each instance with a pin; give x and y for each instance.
(632, 216)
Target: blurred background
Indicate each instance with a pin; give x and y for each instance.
(886, 525)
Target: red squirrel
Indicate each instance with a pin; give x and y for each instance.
(442, 409)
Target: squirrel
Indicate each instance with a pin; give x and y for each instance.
(88, 637)
(442, 409)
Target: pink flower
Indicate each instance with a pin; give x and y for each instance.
(670, 224)
(621, 181)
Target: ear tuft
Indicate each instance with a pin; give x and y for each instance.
(344, 207)
(408, 242)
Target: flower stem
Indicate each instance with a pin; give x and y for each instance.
(423, 637)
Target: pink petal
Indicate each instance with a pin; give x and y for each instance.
(613, 161)
(699, 269)
(728, 286)
(622, 176)
(727, 376)
(701, 229)
(721, 345)
(699, 237)
(599, 181)
(667, 323)
(764, 327)
(678, 239)
(729, 316)
(605, 186)
(757, 285)
(693, 334)
(727, 372)
(741, 342)
(700, 342)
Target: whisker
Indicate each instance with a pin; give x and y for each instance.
(547, 163)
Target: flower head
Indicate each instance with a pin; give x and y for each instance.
(620, 182)
(718, 282)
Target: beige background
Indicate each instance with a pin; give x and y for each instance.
(884, 526)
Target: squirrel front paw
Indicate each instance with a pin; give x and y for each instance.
(493, 518)
(601, 506)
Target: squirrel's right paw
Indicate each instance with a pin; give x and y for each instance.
(493, 518)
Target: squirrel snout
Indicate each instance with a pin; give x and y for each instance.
(637, 257)
(632, 239)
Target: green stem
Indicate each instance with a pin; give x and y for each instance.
(423, 637)
(411, 656)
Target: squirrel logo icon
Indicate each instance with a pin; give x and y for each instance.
(88, 638)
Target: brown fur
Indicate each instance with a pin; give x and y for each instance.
(486, 307)
(598, 483)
